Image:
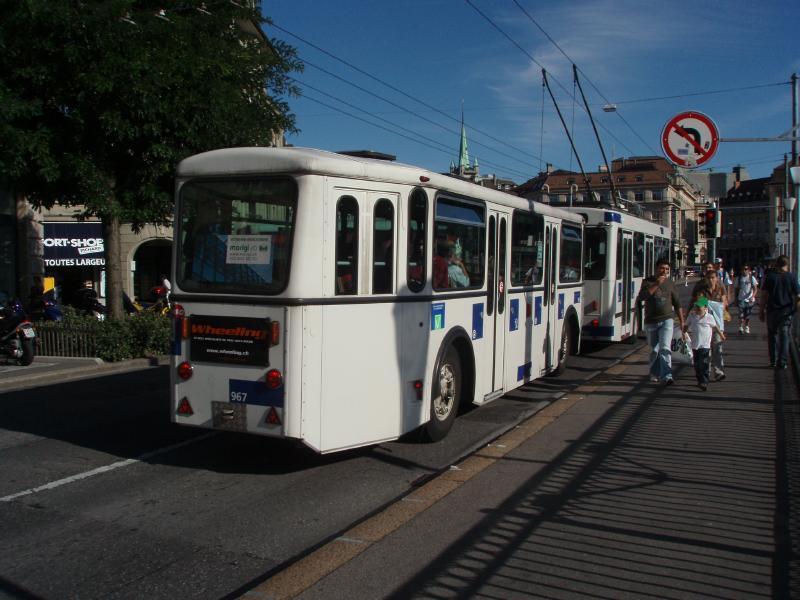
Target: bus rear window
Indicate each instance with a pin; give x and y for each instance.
(236, 235)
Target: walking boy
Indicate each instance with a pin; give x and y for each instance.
(701, 327)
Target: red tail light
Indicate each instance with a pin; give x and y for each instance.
(185, 370)
(274, 379)
(595, 323)
(418, 388)
(275, 333)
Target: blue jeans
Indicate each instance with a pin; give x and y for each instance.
(659, 338)
(701, 359)
(778, 327)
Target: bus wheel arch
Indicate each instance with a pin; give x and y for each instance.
(570, 340)
(452, 382)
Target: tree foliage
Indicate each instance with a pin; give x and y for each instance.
(99, 99)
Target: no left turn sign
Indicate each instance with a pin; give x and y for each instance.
(690, 139)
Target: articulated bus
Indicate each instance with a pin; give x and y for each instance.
(620, 250)
(344, 301)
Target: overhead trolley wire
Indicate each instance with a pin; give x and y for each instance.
(403, 135)
(585, 76)
(399, 91)
(530, 56)
(431, 143)
(412, 113)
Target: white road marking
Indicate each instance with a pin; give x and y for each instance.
(106, 468)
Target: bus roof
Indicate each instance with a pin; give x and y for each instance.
(599, 215)
(297, 161)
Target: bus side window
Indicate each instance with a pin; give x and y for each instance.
(383, 247)
(417, 238)
(346, 246)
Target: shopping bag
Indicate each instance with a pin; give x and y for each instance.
(681, 350)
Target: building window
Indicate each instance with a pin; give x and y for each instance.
(639, 178)
(639, 196)
(658, 195)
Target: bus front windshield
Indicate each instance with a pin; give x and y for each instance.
(235, 236)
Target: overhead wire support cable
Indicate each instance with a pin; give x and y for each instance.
(399, 91)
(566, 130)
(596, 135)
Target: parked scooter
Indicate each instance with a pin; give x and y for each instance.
(86, 302)
(17, 335)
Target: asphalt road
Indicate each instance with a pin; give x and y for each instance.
(102, 497)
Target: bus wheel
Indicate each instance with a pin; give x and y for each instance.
(445, 396)
(563, 349)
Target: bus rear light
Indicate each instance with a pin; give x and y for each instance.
(184, 408)
(418, 388)
(595, 322)
(274, 379)
(275, 333)
(272, 417)
(185, 370)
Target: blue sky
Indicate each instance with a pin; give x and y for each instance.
(444, 52)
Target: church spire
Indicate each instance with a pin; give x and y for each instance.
(463, 152)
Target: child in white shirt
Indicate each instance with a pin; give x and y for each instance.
(701, 326)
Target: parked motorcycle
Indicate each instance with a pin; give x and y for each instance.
(17, 335)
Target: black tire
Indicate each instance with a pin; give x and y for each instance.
(444, 406)
(564, 349)
(28, 352)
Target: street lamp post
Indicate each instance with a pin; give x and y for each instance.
(789, 203)
(794, 172)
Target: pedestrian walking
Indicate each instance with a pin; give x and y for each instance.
(778, 305)
(717, 294)
(701, 327)
(746, 291)
(661, 307)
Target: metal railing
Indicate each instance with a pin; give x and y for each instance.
(56, 339)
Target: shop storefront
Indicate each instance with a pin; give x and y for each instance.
(73, 253)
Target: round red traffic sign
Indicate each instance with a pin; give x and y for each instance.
(690, 139)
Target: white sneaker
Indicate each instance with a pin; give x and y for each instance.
(741, 329)
(747, 329)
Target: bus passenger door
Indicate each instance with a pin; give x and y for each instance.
(627, 279)
(497, 294)
(550, 299)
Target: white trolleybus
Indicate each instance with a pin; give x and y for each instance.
(344, 301)
(620, 250)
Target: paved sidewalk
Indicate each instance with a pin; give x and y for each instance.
(56, 369)
(622, 489)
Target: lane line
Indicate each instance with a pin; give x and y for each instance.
(107, 468)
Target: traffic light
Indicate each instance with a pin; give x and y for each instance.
(713, 223)
(702, 224)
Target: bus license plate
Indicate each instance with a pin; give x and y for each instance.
(230, 417)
